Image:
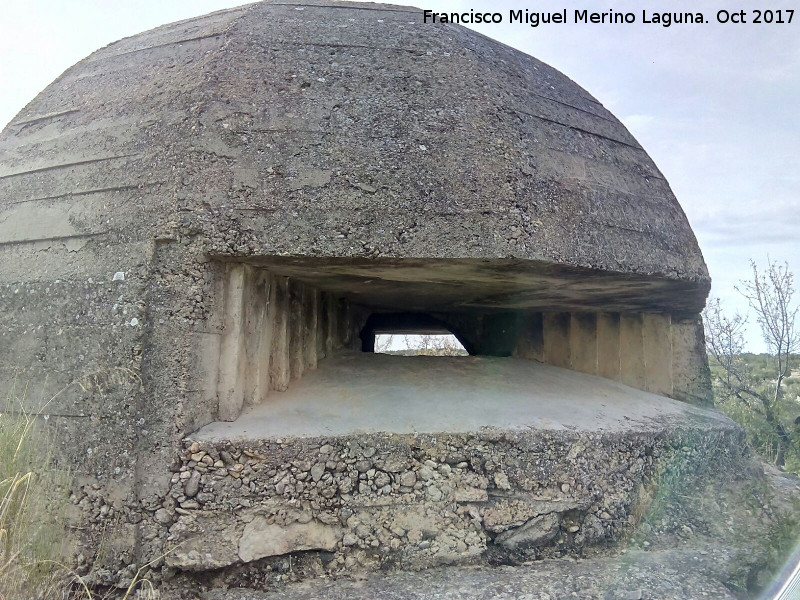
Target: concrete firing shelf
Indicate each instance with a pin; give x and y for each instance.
(373, 393)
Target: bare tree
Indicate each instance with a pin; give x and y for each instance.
(770, 295)
(440, 345)
(383, 343)
(433, 345)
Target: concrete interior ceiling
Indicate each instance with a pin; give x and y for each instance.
(484, 285)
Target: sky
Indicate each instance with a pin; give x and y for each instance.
(716, 106)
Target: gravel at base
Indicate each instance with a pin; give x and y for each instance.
(676, 574)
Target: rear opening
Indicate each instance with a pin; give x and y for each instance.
(409, 334)
(419, 344)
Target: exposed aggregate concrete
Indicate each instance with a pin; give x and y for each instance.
(398, 502)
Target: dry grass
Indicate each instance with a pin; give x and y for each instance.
(32, 503)
(33, 500)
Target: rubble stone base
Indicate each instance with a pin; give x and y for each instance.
(250, 512)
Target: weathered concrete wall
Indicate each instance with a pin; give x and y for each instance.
(691, 375)
(360, 179)
(71, 344)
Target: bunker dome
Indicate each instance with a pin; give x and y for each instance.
(193, 218)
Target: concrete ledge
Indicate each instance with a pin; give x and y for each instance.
(354, 392)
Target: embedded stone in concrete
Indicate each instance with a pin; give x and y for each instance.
(504, 514)
(206, 540)
(463, 497)
(261, 538)
(535, 532)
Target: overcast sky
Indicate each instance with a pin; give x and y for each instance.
(716, 106)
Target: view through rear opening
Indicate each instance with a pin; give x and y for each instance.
(414, 344)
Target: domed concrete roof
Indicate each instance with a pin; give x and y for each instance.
(343, 130)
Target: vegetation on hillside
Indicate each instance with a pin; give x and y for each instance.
(761, 435)
(760, 391)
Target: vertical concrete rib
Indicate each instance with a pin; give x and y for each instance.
(263, 336)
(333, 323)
(296, 329)
(322, 325)
(310, 318)
(530, 340)
(232, 364)
(279, 372)
(631, 351)
(555, 328)
(691, 378)
(657, 339)
(608, 364)
(583, 342)
(343, 323)
(257, 334)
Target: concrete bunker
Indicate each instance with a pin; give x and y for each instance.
(198, 222)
